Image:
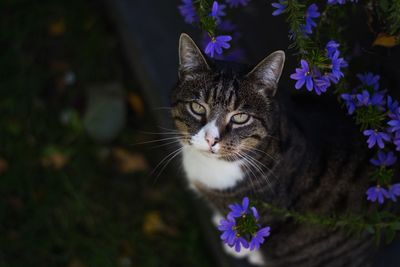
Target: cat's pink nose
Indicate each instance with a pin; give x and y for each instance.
(211, 140)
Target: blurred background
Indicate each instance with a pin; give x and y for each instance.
(85, 90)
(75, 188)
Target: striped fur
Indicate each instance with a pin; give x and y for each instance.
(302, 154)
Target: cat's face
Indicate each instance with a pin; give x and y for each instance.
(220, 113)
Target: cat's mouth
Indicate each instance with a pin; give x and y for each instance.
(206, 151)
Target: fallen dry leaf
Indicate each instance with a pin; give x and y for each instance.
(136, 104)
(55, 160)
(76, 263)
(153, 223)
(385, 40)
(57, 28)
(128, 162)
(3, 166)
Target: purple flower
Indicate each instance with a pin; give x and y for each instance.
(240, 242)
(241, 228)
(395, 122)
(384, 160)
(321, 84)
(226, 26)
(238, 210)
(340, 2)
(378, 99)
(369, 79)
(236, 3)
(216, 44)
(312, 12)
(228, 230)
(259, 237)
(188, 11)
(363, 98)
(376, 137)
(217, 11)
(280, 7)
(392, 104)
(377, 193)
(331, 48)
(230, 236)
(235, 55)
(255, 213)
(303, 76)
(394, 192)
(337, 64)
(350, 101)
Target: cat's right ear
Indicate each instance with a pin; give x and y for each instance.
(191, 60)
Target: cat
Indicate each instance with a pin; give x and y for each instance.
(241, 135)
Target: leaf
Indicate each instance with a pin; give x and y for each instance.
(57, 28)
(390, 234)
(55, 160)
(385, 40)
(3, 166)
(136, 104)
(395, 226)
(128, 162)
(76, 263)
(153, 223)
(370, 229)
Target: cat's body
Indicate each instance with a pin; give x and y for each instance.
(297, 155)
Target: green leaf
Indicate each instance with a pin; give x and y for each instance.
(390, 234)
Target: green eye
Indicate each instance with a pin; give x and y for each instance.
(240, 118)
(197, 109)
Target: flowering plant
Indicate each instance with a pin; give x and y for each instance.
(242, 228)
(317, 41)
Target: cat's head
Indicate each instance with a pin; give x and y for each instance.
(219, 112)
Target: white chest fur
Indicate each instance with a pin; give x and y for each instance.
(212, 172)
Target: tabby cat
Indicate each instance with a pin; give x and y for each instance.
(241, 136)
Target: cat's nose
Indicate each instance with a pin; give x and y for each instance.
(211, 140)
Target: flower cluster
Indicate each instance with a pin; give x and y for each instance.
(210, 19)
(379, 115)
(311, 76)
(378, 193)
(367, 94)
(241, 228)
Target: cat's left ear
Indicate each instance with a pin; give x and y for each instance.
(191, 60)
(267, 73)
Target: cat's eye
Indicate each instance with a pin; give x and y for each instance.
(197, 109)
(240, 118)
